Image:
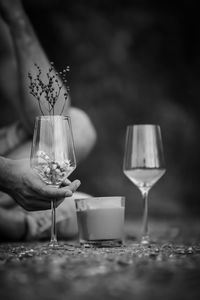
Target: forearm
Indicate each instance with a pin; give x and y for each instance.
(29, 52)
(8, 69)
(16, 22)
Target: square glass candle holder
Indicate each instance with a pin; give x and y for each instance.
(101, 221)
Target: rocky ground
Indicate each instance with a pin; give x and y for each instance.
(168, 269)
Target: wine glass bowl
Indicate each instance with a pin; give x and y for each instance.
(53, 155)
(51, 171)
(144, 162)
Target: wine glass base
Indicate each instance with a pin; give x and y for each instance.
(53, 244)
(145, 240)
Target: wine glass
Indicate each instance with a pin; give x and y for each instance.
(53, 155)
(144, 163)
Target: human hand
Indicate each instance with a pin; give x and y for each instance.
(29, 191)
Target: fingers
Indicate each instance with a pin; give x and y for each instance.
(57, 193)
(74, 186)
(65, 182)
(42, 198)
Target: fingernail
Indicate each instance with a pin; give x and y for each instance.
(68, 193)
(78, 183)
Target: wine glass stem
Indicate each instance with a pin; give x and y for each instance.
(53, 241)
(145, 234)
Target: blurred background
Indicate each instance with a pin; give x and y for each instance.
(131, 62)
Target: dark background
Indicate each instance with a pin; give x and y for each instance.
(131, 62)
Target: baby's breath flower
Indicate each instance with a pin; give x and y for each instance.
(51, 89)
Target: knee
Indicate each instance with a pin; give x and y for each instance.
(84, 132)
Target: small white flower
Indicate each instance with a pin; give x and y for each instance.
(67, 162)
(47, 170)
(40, 153)
(54, 166)
(46, 157)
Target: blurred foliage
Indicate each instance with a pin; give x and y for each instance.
(131, 62)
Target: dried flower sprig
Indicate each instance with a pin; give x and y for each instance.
(49, 90)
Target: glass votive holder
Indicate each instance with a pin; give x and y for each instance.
(101, 221)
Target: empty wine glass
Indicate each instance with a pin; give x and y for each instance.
(53, 155)
(144, 163)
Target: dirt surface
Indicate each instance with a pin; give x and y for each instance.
(169, 268)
